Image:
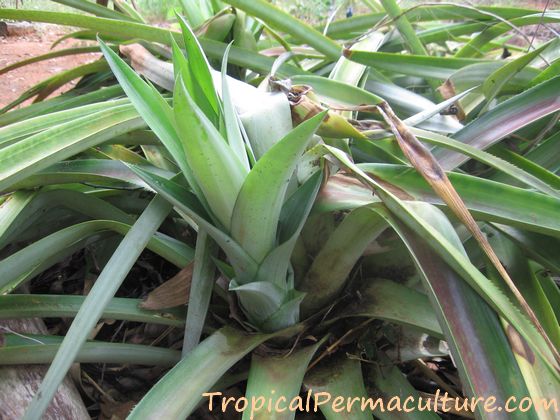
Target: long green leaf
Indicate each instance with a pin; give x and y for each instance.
(403, 25)
(390, 301)
(258, 206)
(100, 295)
(70, 99)
(11, 208)
(202, 87)
(96, 171)
(428, 12)
(294, 214)
(81, 203)
(486, 364)
(40, 255)
(48, 56)
(178, 393)
(337, 92)
(331, 267)
(475, 75)
(233, 129)
(540, 248)
(283, 375)
(33, 125)
(528, 284)
(200, 291)
(414, 65)
(343, 378)
(48, 86)
(473, 47)
(503, 166)
(152, 107)
(289, 24)
(495, 82)
(185, 201)
(94, 9)
(91, 352)
(525, 164)
(67, 306)
(409, 103)
(37, 152)
(487, 199)
(503, 120)
(215, 167)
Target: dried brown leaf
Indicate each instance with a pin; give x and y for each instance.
(174, 292)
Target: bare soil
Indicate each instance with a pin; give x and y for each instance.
(14, 49)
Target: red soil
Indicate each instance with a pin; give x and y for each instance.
(14, 49)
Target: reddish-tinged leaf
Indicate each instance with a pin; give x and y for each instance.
(425, 163)
(505, 119)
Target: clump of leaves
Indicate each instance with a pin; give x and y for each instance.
(360, 210)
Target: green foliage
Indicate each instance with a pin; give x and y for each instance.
(330, 220)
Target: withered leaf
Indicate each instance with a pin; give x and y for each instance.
(174, 292)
